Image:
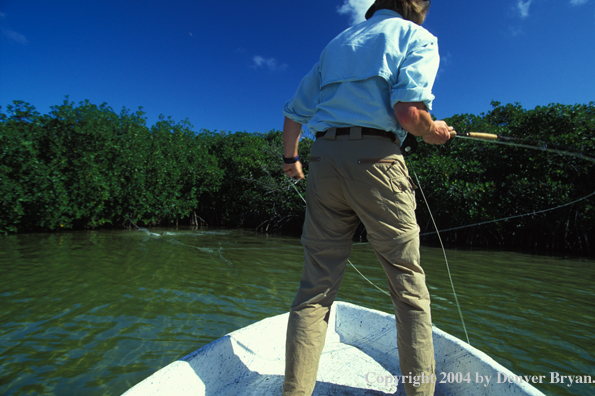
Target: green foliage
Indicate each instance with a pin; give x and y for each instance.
(469, 182)
(86, 166)
(254, 191)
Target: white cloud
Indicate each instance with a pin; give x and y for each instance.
(523, 7)
(14, 36)
(270, 63)
(446, 60)
(356, 9)
(514, 31)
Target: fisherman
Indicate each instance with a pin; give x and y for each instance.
(372, 85)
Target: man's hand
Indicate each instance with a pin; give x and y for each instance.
(441, 132)
(294, 170)
(415, 118)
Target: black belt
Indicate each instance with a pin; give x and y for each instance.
(365, 131)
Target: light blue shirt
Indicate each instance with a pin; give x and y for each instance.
(363, 72)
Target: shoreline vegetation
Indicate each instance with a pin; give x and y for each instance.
(85, 166)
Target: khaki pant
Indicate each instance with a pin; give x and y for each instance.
(351, 180)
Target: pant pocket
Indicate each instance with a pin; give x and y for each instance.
(367, 161)
(404, 199)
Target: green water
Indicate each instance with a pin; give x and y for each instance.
(93, 313)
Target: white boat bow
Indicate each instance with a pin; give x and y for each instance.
(360, 357)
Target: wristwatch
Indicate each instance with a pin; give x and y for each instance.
(291, 160)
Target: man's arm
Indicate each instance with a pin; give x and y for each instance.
(415, 118)
(291, 140)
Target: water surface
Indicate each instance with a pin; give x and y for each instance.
(93, 313)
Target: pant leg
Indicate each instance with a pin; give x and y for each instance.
(309, 316)
(327, 233)
(411, 301)
(382, 196)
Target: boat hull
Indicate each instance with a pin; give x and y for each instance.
(360, 357)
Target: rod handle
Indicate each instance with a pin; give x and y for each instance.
(477, 135)
(482, 135)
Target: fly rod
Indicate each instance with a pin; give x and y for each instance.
(511, 141)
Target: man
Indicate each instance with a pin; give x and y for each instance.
(370, 87)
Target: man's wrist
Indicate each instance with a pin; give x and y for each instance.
(291, 160)
(431, 130)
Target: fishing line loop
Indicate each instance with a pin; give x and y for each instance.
(444, 252)
(513, 217)
(348, 261)
(539, 146)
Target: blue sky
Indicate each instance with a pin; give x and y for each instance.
(231, 65)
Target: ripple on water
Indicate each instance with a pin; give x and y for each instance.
(100, 311)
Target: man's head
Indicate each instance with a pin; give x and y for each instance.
(412, 10)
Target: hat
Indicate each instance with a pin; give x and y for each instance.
(371, 11)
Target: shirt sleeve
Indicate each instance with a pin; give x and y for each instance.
(417, 74)
(302, 106)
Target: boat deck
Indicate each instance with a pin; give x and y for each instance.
(360, 358)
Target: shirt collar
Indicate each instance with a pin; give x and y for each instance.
(387, 12)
